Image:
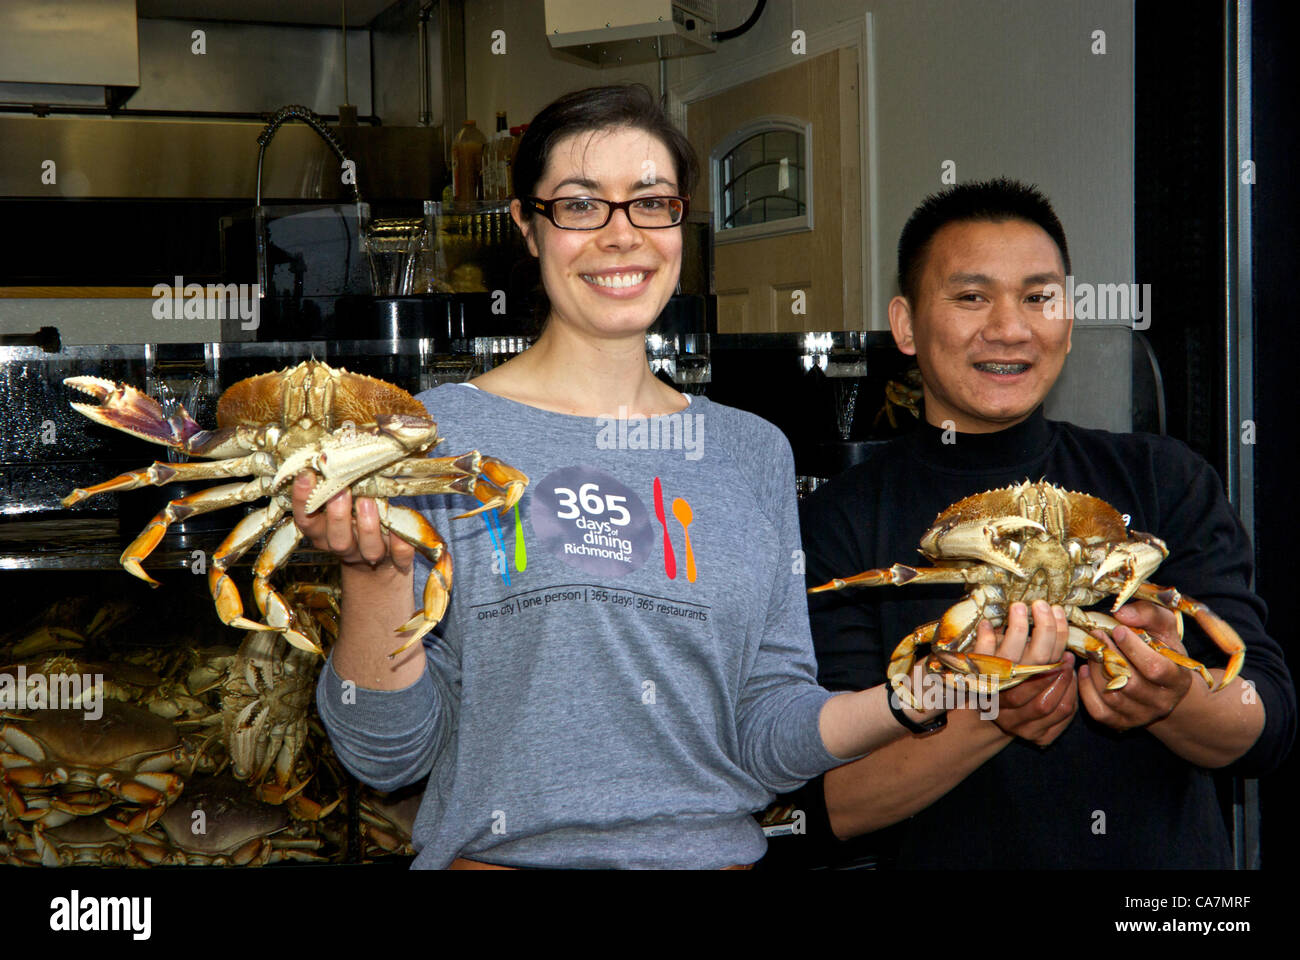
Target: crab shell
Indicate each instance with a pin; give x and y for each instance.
(59, 761)
(85, 841)
(231, 829)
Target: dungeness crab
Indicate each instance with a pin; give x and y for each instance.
(1036, 541)
(57, 764)
(354, 431)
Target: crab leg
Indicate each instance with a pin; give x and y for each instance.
(902, 660)
(412, 527)
(1130, 563)
(205, 501)
(29, 809)
(342, 460)
(1086, 645)
(1219, 630)
(225, 595)
(957, 629)
(154, 791)
(1008, 673)
(381, 487)
(125, 408)
(465, 465)
(279, 547)
(499, 485)
(1117, 668)
(503, 477)
(958, 624)
(897, 575)
(989, 540)
(159, 473)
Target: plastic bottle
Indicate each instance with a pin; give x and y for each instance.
(494, 162)
(516, 134)
(467, 164)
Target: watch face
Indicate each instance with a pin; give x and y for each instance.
(936, 723)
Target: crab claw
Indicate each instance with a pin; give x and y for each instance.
(988, 540)
(1133, 561)
(507, 484)
(125, 408)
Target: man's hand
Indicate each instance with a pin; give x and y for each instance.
(1039, 709)
(1158, 684)
(356, 539)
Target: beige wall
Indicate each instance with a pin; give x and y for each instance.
(997, 86)
(529, 75)
(1000, 87)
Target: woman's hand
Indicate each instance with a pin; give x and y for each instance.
(355, 536)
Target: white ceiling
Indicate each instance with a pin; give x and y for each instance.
(321, 12)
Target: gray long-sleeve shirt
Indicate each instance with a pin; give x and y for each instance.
(605, 692)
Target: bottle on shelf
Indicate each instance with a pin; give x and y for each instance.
(495, 158)
(516, 134)
(467, 164)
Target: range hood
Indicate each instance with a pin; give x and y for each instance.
(631, 31)
(63, 48)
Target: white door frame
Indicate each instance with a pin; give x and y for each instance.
(858, 34)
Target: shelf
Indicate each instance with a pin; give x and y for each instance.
(96, 543)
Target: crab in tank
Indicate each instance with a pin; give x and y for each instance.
(56, 765)
(237, 830)
(1037, 541)
(354, 431)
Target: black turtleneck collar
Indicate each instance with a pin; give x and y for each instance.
(1015, 446)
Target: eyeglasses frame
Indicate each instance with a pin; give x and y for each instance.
(547, 209)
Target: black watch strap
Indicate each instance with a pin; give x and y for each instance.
(896, 708)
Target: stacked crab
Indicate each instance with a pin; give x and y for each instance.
(233, 728)
(58, 766)
(98, 764)
(102, 783)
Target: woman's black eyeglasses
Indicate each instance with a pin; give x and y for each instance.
(590, 213)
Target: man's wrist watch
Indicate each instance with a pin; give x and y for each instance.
(896, 708)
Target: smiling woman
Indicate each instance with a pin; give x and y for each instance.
(639, 680)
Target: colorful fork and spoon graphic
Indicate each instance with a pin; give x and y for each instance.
(682, 511)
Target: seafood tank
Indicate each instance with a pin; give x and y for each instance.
(200, 723)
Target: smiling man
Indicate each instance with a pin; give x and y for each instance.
(1068, 773)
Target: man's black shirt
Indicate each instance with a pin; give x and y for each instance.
(1094, 798)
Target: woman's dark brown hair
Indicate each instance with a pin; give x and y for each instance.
(596, 108)
(600, 108)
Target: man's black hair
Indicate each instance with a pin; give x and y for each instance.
(994, 201)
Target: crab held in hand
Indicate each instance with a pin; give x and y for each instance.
(355, 432)
(1036, 541)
